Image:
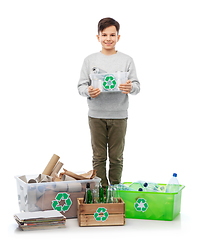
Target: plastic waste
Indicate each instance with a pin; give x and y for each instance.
(97, 70)
(137, 186)
(173, 184)
(124, 187)
(150, 187)
(145, 186)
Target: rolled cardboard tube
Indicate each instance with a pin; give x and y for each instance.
(67, 178)
(32, 181)
(51, 165)
(56, 169)
(46, 179)
(61, 187)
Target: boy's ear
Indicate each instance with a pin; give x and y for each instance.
(98, 37)
(118, 37)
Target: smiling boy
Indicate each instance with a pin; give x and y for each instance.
(108, 112)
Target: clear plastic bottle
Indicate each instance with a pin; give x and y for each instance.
(145, 186)
(123, 187)
(137, 185)
(150, 187)
(173, 184)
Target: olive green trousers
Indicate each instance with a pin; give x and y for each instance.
(108, 139)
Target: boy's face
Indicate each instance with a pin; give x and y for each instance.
(108, 38)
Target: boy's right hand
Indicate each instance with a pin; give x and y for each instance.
(94, 92)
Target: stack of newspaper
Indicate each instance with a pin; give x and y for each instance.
(40, 220)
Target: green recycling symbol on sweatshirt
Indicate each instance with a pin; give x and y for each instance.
(101, 214)
(59, 197)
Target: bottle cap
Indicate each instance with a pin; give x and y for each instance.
(88, 185)
(174, 174)
(145, 184)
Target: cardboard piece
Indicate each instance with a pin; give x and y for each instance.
(50, 166)
(40, 220)
(56, 169)
(23, 178)
(43, 178)
(89, 175)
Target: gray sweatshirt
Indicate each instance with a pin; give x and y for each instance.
(108, 105)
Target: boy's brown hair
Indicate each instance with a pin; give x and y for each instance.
(107, 22)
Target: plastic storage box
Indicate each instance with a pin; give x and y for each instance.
(108, 82)
(61, 196)
(151, 205)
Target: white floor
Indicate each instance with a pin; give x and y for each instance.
(187, 224)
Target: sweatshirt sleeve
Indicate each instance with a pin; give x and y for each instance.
(133, 78)
(84, 81)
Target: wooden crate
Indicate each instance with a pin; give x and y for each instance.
(100, 214)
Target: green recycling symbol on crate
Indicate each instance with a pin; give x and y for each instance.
(141, 205)
(59, 197)
(109, 82)
(101, 214)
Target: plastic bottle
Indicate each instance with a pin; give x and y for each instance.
(145, 186)
(150, 187)
(88, 194)
(173, 184)
(137, 185)
(124, 187)
(97, 70)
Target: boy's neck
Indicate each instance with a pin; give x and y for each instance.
(108, 52)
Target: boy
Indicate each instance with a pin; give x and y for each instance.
(108, 111)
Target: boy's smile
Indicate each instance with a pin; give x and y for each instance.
(108, 39)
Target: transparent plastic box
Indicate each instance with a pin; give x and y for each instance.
(109, 82)
(61, 196)
(151, 205)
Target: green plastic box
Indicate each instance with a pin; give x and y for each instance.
(151, 205)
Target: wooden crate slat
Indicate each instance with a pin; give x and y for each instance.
(112, 208)
(113, 220)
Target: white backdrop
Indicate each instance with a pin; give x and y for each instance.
(43, 45)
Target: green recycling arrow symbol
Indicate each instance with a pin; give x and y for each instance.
(141, 205)
(101, 214)
(109, 82)
(62, 196)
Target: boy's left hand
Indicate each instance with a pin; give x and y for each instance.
(125, 87)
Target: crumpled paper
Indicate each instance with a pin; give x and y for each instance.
(89, 175)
